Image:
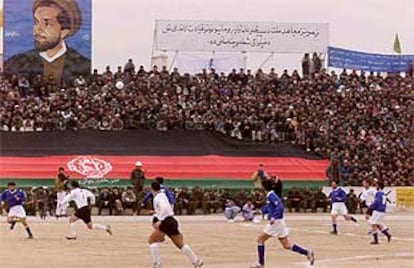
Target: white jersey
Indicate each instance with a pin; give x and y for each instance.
(162, 206)
(80, 197)
(368, 195)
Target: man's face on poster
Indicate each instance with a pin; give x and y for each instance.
(47, 30)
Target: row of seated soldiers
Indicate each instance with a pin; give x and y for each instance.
(117, 201)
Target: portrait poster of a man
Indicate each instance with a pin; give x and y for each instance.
(59, 48)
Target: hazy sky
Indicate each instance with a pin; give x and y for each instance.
(124, 28)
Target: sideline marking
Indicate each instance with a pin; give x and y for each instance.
(360, 257)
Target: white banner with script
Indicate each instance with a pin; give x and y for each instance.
(183, 35)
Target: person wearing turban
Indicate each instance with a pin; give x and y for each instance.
(54, 21)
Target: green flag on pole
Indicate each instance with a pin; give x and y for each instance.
(397, 45)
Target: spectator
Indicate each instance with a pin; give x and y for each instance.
(117, 200)
(346, 171)
(320, 200)
(129, 200)
(183, 201)
(30, 203)
(105, 201)
(137, 179)
(195, 200)
(410, 69)
(129, 67)
(231, 210)
(307, 199)
(80, 81)
(248, 210)
(117, 123)
(317, 62)
(294, 199)
(41, 199)
(241, 197)
(24, 86)
(305, 65)
(211, 201)
(333, 171)
(352, 201)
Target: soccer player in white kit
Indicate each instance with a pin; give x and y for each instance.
(164, 223)
(368, 197)
(83, 212)
(60, 188)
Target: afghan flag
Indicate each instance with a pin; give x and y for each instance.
(176, 155)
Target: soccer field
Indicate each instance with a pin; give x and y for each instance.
(220, 244)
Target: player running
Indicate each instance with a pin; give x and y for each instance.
(165, 224)
(83, 212)
(379, 207)
(15, 199)
(368, 197)
(338, 199)
(61, 181)
(276, 227)
(164, 189)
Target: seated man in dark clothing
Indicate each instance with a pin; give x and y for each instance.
(41, 199)
(117, 200)
(294, 199)
(352, 202)
(211, 202)
(105, 201)
(307, 199)
(30, 204)
(241, 198)
(320, 200)
(195, 200)
(183, 201)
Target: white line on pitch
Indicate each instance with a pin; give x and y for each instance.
(348, 234)
(361, 257)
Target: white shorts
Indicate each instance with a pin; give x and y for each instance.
(278, 229)
(377, 217)
(339, 208)
(17, 211)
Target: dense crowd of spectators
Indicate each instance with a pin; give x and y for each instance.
(362, 122)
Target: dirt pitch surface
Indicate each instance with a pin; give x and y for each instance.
(220, 244)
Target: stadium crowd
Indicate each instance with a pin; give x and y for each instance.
(362, 122)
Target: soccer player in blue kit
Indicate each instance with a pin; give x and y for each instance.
(379, 207)
(164, 189)
(276, 227)
(338, 199)
(15, 199)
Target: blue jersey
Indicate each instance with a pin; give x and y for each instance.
(337, 195)
(15, 198)
(165, 190)
(380, 202)
(274, 206)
